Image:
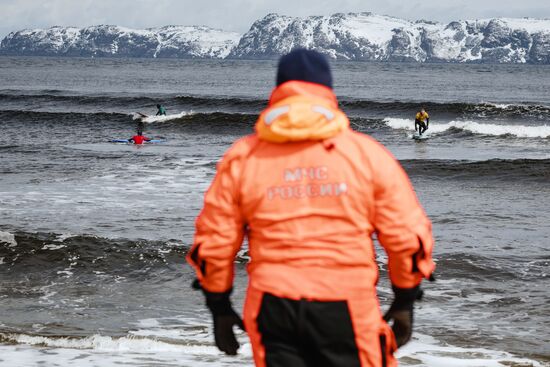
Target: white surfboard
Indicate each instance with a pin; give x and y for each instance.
(417, 136)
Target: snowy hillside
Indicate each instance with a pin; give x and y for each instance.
(366, 36)
(169, 41)
(353, 36)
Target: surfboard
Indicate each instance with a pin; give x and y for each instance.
(142, 114)
(120, 141)
(417, 136)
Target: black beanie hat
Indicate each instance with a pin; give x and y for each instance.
(306, 65)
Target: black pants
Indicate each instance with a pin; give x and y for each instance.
(421, 126)
(307, 333)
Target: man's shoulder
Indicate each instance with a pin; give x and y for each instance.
(363, 139)
(364, 145)
(242, 147)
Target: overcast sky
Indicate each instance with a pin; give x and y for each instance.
(238, 15)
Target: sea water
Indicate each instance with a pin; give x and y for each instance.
(93, 234)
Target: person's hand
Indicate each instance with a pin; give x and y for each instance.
(401, 313)
(402, 325)
(224, 334)
(224, 317)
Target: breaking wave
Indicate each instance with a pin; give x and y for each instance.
(153, 119)
(483, 109)
(73, 118)
(235, 121)
(103, 343)
(58, 99)
(60, 117)
(422, 350)
(520, 131)
(27, 253)
(45, 252)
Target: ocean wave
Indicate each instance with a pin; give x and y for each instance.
(51, 252)
(43, 252)
(482, 109)
(520, 131)
(60, 117)
(213, 123)
(217, 117)
(427, 351)
(60, 97)
(422, 349)
(118, 351)
(216, 103)
(518, 170)
(101, 343)
(475, 267)
(8, 238)
(189, 117)
(256, 105)
(164, 118)
(235, 120)
(220, 102)
(479, 268)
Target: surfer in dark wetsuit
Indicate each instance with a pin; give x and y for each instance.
(140, 126)
(421, 121)
(161, 111)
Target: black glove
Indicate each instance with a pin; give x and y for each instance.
(401, 312)
(225, 318)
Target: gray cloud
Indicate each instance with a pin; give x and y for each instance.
(238, 15)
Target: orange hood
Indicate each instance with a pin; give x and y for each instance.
(300, 111)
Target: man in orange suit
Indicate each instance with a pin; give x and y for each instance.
(309, 193)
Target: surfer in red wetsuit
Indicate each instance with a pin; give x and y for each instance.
(138, 139)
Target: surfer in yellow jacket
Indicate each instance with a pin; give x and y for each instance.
(309, 193)
(421, 121)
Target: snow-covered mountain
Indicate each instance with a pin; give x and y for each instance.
(105, 40)
(366, 36)
(353, 36)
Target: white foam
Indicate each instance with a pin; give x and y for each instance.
(109, 351)
(48, 294)
(153, 119)
(52, 247)
(102, 343)
(501, 106)
(431, 353)
(149, 323)
(62, 237)
(65, 272)
(98, 350)
(521, 131)
(6, 237)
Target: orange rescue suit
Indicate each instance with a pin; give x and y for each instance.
(310, 193)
